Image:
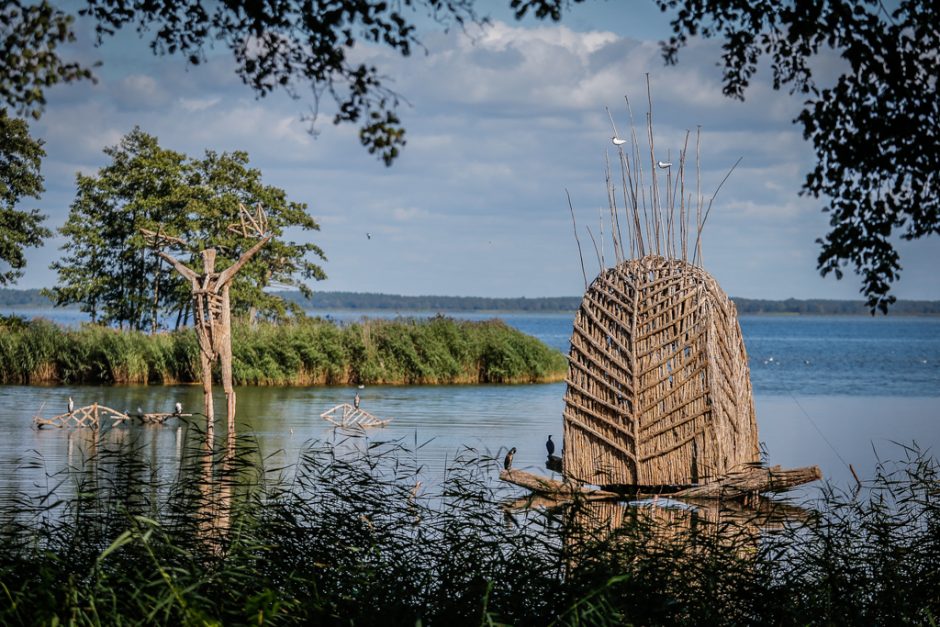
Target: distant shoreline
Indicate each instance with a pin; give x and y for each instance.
(14, 299)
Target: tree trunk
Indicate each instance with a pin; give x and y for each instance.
(156, 297)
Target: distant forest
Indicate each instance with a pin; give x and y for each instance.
(11, 298)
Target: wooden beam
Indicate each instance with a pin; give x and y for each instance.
(749, 480)
(552, 488)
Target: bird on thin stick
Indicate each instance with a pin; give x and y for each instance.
(617, 141)
(664, 164)
(550, 446)
(507, 463)
(71, 405)
(179, 408)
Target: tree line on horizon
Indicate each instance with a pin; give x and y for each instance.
(352, 301)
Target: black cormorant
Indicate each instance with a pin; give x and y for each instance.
(507, 463)
(550, 446)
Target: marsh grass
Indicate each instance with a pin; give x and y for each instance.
(349, 535)
(307, 351)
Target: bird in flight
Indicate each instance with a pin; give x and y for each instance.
(664, 164)
(617, 141)
(368, 235)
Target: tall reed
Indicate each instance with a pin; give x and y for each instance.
(350, 536)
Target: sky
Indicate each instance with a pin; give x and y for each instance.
(501, 123)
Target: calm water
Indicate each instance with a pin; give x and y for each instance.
(829, 391)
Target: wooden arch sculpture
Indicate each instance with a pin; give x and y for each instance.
(659, 388)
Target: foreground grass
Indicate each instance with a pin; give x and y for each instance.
(349, 537)
(305, 352)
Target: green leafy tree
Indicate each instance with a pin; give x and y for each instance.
(106, 266)
(876, 130)
(109, 267)
(20, 158)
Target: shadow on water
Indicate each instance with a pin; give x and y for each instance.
(348, 534)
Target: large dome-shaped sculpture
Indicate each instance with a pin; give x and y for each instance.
(658, 389)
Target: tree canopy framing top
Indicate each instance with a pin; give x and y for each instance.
(876, 131)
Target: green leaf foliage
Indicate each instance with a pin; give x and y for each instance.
(30, 35)
(110, 269)
(20, 160)
(875, 128)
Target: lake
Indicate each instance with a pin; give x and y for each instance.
(829, 390)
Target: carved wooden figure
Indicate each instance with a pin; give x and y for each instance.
(212, 308)
(213, 321)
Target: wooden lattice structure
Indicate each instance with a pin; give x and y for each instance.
(90, 417)
(658, 389)
(346, 415)
(95, 416)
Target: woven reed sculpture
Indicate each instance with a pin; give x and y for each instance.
(659, 390)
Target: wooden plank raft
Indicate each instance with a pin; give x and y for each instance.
(346, 415)
(92, 417)
(738, 484)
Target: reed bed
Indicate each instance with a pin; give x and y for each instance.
(308, 351)
(349, 536)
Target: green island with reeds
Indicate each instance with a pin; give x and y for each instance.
(305, 351)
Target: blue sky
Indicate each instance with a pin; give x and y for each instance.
(500, 123)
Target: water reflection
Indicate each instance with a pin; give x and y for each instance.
(437, 422)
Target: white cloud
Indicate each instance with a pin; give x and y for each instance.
(198, 104)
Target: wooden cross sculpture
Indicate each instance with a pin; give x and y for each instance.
(212, 308)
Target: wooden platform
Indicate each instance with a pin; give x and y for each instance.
(741, 483)
(346, 415)
(96, 416)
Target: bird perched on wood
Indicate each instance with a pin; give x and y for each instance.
(664, 164)
(617, 141)
(178, 407)
(71, 405)
(507, 463)
(550, 446)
